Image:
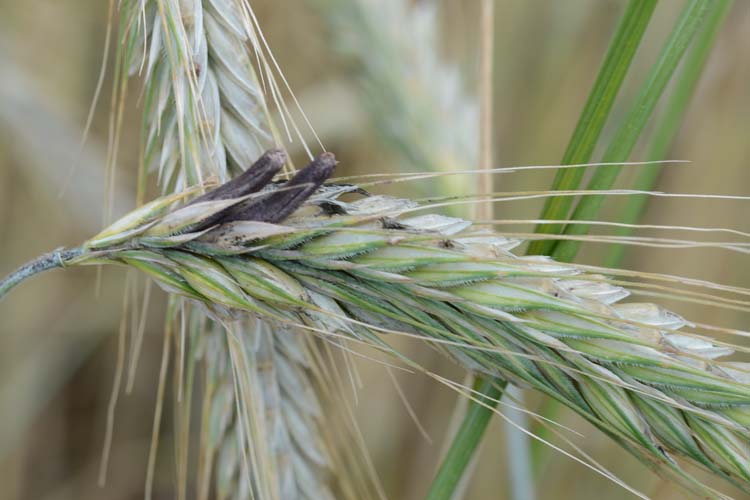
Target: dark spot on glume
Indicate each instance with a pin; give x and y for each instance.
(389, 223)
(331, 209)
(353, 188)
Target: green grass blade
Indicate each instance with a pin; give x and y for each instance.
(616, 63)
(630, 130)
(660, 143)
(669, 125)
(466, 440)
(594, 115)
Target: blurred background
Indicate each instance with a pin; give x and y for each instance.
(58, 332)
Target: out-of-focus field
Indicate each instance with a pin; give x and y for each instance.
(58, 334)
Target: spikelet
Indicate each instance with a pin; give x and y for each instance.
(371, 266)
(204, 109)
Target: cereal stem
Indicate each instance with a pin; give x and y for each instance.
(51, 260)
